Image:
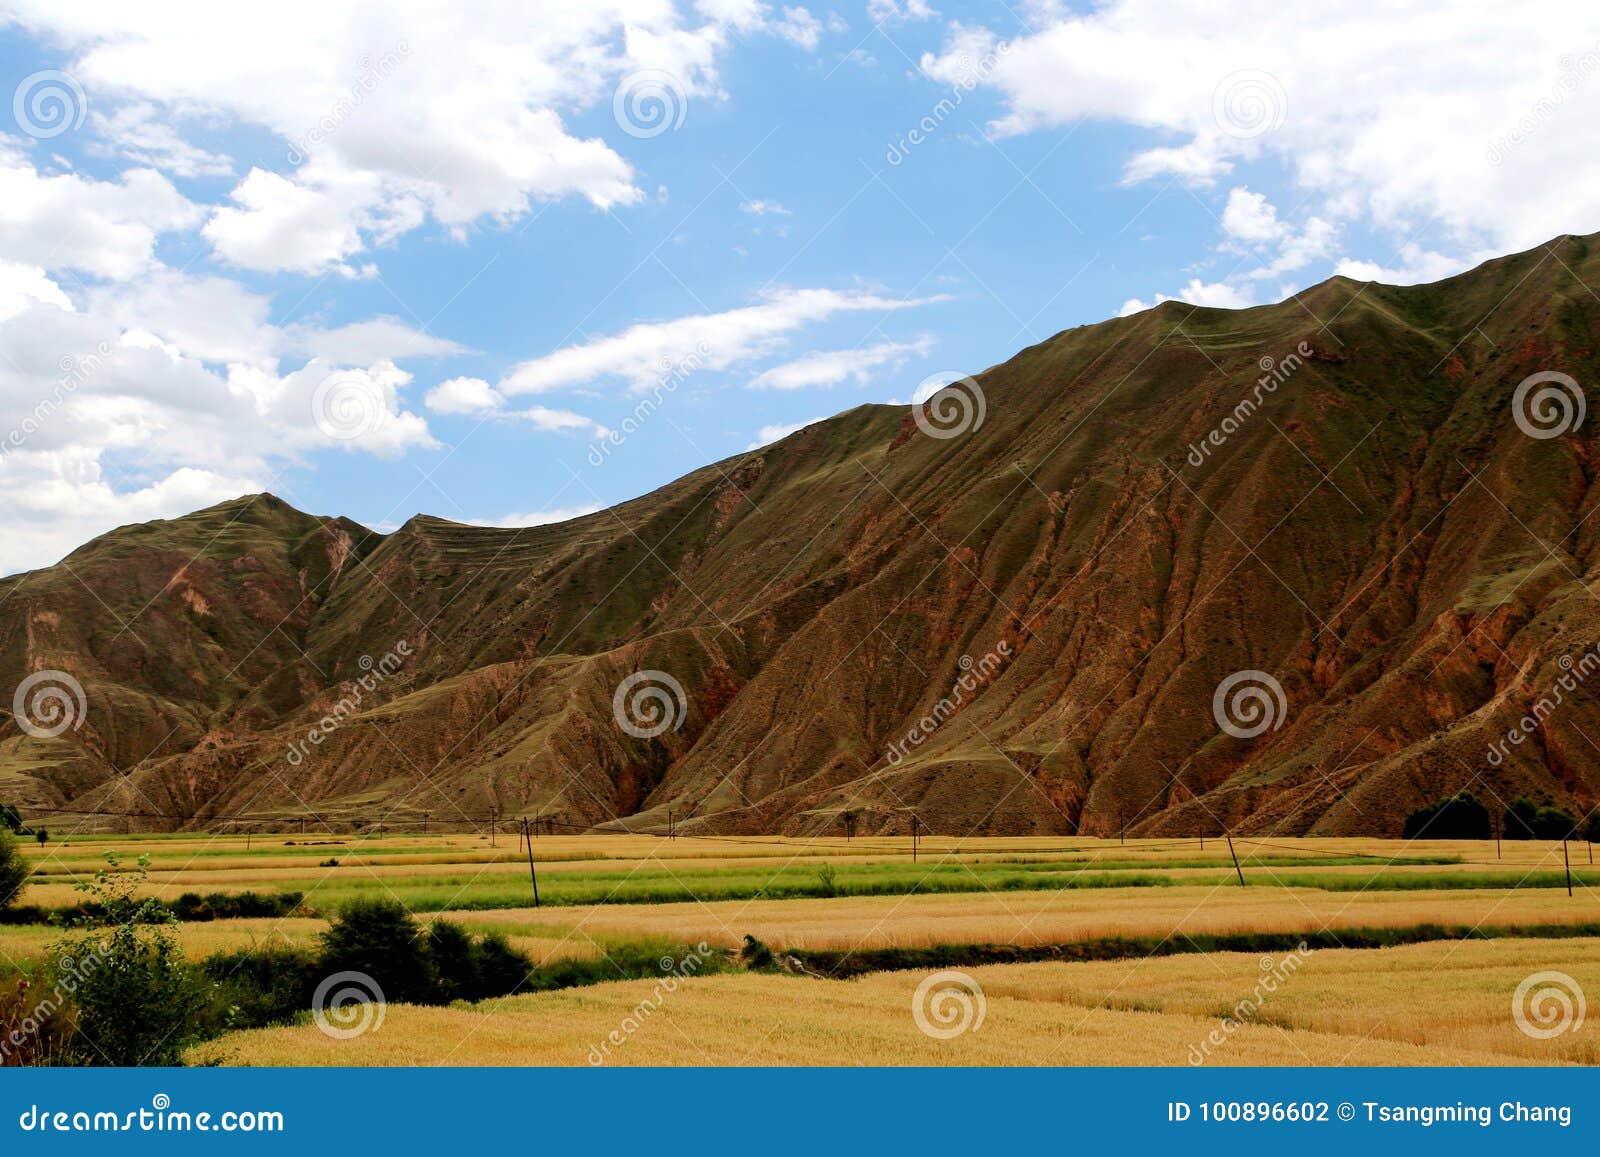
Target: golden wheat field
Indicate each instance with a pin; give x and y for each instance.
(1426, 1004)
(1472, 921)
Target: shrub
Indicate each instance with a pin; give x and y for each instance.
(1526, 820)
(1460, 817)
(502, 970)
(455, 961)
(13, 871)
(135, 997)
(379, 938)
(253, 988)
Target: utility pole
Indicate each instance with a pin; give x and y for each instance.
(671, 833)
(532, 875)
(1235, 856)
(426, 816)
(302, 825)
(1122, 823)
(1567, 862)
(493, 812)
(915, 824)
(1495, 822)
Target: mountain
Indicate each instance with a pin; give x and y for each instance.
(1020, 628)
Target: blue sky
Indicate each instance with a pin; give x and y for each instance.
(382, 259)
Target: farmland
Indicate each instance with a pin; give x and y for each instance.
(1080, 951)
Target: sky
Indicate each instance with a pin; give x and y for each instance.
(508, 263)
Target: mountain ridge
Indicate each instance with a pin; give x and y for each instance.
(1376, 534)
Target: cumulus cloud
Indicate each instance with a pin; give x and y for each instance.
(1460, 113)
(103, 228)
(381, 126)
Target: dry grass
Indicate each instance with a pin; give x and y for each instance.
(1339, 1008)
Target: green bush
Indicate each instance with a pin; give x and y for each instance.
(254, 988)
(135, 997)
(1526, 820)
(13, 870)
(1460, 817)
(455, 962)
(380, 939)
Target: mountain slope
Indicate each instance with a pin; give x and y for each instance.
(1136, 519)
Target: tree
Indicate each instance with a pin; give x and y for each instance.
(136, 999)
(1526, 820)
(13, 870)
(380, 939)
(11, 818)
(1459, 817)
(43, 836)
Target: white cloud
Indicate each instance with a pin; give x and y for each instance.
(770, 434)
(535, 517)
(276, 223)
(474, 396)
(136, 132)
(762, 208)
(23, 286)
(397, 128)
(641, 354)
(464, 396)
(1214, 294)
(54, 507)
(830, 367)
(1457, 113)
(1417, 266)
(800, 28)
(1250, 217)
(892, 11)
(103, 228)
